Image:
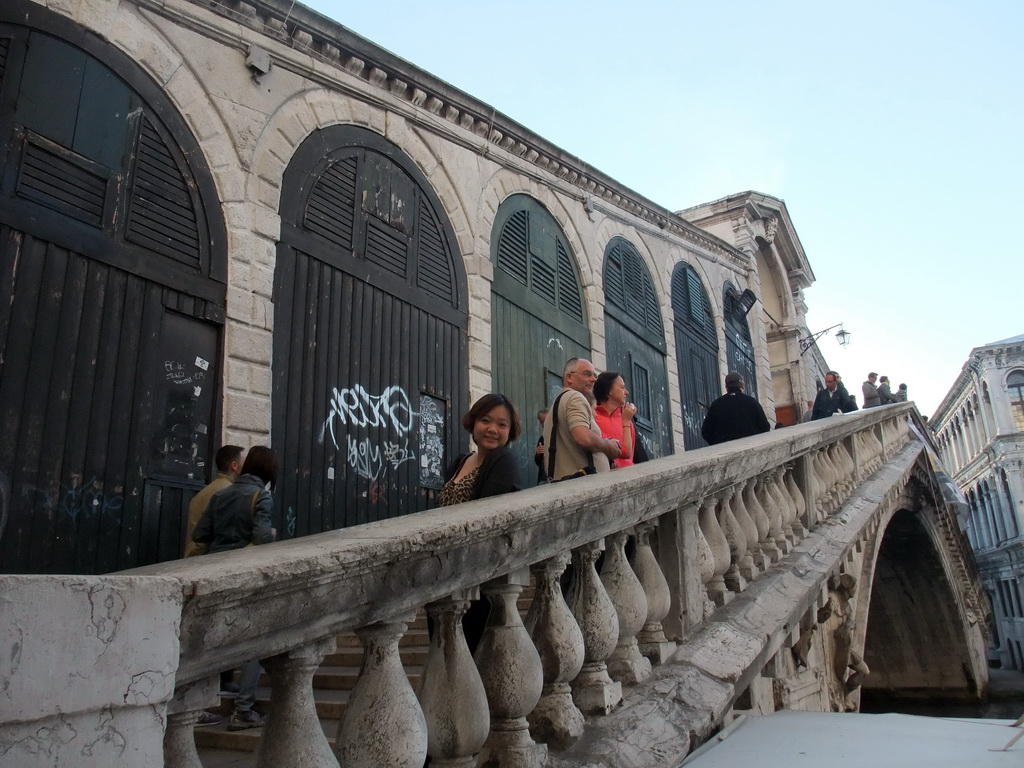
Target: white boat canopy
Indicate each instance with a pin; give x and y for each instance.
(789, 739)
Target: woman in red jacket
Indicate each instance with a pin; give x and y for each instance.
(614, 414)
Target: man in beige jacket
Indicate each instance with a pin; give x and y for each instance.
(229, 463)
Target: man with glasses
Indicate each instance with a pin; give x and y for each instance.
(577, 447)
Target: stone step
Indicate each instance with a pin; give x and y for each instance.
(344, 678)
(332, 684)
(218, 737)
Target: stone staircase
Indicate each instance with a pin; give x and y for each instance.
(334, 680)
(332, 683)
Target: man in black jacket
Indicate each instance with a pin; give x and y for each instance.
(733, 415)
(832, 399)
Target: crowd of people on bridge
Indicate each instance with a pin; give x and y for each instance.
(588, 428)
(834, 398)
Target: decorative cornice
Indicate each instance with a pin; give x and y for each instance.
(330, 43)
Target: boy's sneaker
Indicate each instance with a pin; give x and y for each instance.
(209, 718)
(229, 690)
(242, 720)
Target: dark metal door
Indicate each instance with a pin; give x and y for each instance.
(635, 339)
(370, 359)
(739, 349)
(107, 395)
(696, 352)
(112, 267)
(537, 320)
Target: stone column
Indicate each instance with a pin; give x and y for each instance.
(625, 664)
(653, 643)
(513, 678)
(292, 735)
(183, 710)
(383, 723)
(592, 690)
(450, 690)
(556, 720)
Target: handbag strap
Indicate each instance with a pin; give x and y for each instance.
(550, 449)
(252, 514)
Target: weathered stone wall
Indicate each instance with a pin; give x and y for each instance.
(87, 666)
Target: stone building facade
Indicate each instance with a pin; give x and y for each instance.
(241, 223)
(980, 431)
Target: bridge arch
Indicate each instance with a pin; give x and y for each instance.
(915, 616)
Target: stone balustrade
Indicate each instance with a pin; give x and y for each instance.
(702, 527)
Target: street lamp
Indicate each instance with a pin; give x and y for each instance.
(842, 336)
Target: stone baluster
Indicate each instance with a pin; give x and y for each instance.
(876, 448)
(840, 457)
(556, 720)
(626, 664)
(833, 483)
(383, 723)
(179, 740)
(183, 710)
(734, 578)
(779, 509)
(749, 567)
(293, 735)
(804, 495)
(651, 638)
(885, 441)
(719, 545)
(824, 479)
(706, 559)
(817, 483)
(592, 690)
(762, 521)
(848, 467)
(864, 452)
(450, 690)
(799, 501)
(513, 677)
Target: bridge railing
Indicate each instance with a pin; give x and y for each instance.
(701, 526)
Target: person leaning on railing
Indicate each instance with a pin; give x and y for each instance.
(614, 415)
(491, 470)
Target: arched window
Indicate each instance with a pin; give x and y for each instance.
(537, 313)
(696, 351)
(635, 339)
(370, 361)
(1015, 387)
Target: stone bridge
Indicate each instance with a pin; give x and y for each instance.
(789, 570)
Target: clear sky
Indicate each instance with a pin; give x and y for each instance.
(893, 131)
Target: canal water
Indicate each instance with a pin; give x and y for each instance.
(1005, 701)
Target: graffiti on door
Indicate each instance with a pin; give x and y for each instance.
(373, 431)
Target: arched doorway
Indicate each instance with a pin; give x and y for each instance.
(537, 318)
(739, 348)
(370, 365)
(635, 338)
(696, 351)
(112, 296)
